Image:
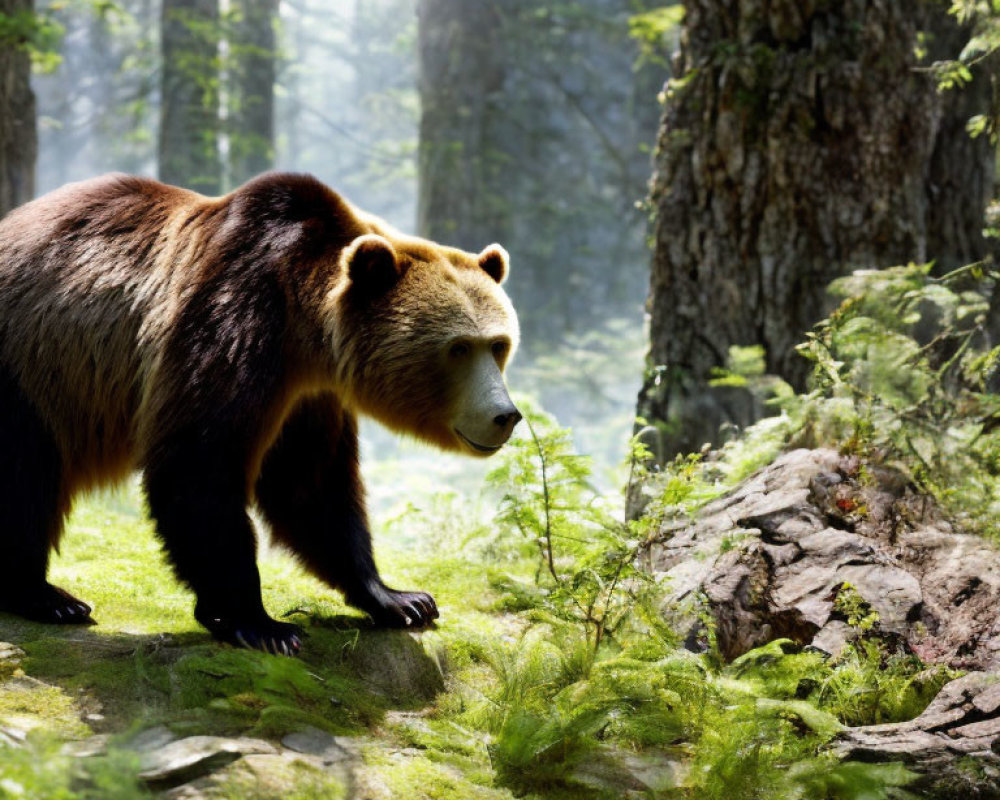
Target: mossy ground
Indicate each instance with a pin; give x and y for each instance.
(147, 662)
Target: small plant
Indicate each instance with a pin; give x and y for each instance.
(910, 355)
(586, 557)
(854, 608)
(868, 685)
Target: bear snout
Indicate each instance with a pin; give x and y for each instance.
(486, 441)
(507, 419)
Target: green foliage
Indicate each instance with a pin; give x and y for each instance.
(651, 28)
(852, 780)
(983, 18)
(586, 556)
(852, 606)
(904, 373)
(560, 698)
(246, 690)
(42, 770)
(745, 364)
(37, 33)
(869, 685)
(753, 729)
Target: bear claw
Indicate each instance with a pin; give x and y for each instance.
(289, 646)
(393, 609)
(49, 604)
(268, 635)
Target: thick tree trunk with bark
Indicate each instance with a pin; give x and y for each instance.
(18, 137)
(251, 101)
(799, 142)
(189, 112)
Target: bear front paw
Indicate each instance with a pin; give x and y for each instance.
(392, 609)
(271, 636)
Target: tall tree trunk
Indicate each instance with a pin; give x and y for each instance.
(18, 136)
(189, 111)
(251, 99)
(798, 143)
(529, 135)
(461, 185)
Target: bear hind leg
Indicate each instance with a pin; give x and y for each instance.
(33, 502)
(195, 496)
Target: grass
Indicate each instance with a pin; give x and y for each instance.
(149, 663)
(528, 708)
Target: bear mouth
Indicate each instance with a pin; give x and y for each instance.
(480, 447)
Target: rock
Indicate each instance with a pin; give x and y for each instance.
(152, 739)
(630, 774)
(10, 659)
(832, 637)
(402, 665)
(953, 745)
(183, 760)
(85, 748)
(314, 742)
(277, 774)
(770, 558)
(12, 736)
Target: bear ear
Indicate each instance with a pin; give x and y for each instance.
(372, 263)
(494, 261)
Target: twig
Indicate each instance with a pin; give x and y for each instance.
(545, 498)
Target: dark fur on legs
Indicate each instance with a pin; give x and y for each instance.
(210, 541)
(32, 505)
(310, 491)
(196, 471)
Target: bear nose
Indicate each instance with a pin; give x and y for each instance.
(510, 418)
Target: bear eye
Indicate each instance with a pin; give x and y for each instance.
(499, 350)
(459, 349)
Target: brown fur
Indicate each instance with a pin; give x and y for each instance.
(139, 319)
(87, 313)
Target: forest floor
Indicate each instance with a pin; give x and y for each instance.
(361, 713)
(508, 696)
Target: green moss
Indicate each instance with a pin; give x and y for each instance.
(27, 704)
(416, 777)
(41, 770)
(293, 780)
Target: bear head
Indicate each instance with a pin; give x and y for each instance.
(422, 335)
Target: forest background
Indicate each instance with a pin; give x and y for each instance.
(677, 185)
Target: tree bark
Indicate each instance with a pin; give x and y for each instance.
(18, 136)
(251, 100)
(189, 112)
(801, 141)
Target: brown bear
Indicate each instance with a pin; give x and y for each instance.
(224, 346)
